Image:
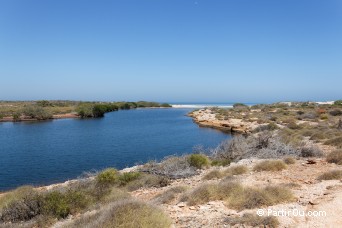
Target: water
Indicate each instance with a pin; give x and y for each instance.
(42, 153)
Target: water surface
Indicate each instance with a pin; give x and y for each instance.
(40, 153)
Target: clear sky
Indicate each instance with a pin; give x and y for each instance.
(171, 50)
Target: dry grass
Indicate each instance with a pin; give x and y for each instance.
(270, 165)
(331, 175)
(237, 196)
(169, 195)
(251, 198)
(124, 214)
(335, 157)
(237, 170)
(253, 220)
(214, 174)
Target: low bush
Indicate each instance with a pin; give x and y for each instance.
(335, 157)
(251, 198)
(289, 160)
(147, 181)
(36, 112)
(237, 170)
(337, 142)
(237, 196)
(214, 174)
(198, 161)
(309, 150)
(172, 167)
(107, 176)
(169, 195)
(338, 102)
(336, 112)
(331, 175)
(270, 165)
(253, 221)
(265, 145)
(125, 178)
(16, 194)
(26, 207)
(125, 214)
(220, 162)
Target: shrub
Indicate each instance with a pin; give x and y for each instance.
(220, 162)
(125, 213)
(55, 203)
(128, 177)
(263, 146)
(26, 207)
(338, 102)
(237, 196)
(331, 175)
(169, 195)
(336, 112)
(171, 167)
(310, 150)
(16, 116)
(214, 174)
(289, 160)
(255, 198)
(36, 112)
(198, 160)
(237, 170)
(201, 194)
(292, 125)
(107, 176)
(14, 195)
(270, 165)
(147, 181)
(253, 220)
(337, 141)
(335, 157)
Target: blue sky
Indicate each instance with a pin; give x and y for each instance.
(174, 50)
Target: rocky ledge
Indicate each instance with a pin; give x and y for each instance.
(207, 118)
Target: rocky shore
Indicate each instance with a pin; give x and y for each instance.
(207, 118)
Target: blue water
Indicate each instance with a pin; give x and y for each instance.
(42, 153)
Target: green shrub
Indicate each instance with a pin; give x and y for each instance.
(55, 203)
(147, 181)
(220, 162)
(338, 102)
(36, 112)
(125, 178)
(331, 175)
(335, 157)
(107, 176)
(16, 116)
(270, 165)
(198, 160)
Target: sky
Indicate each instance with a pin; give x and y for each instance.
(171, 50)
